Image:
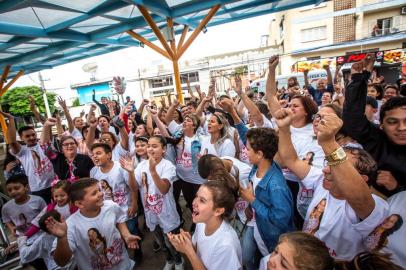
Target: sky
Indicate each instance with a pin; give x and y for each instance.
(235, 36)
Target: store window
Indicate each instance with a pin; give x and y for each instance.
(192, 77)
(161, 81)
(315, 33)
(385, 25)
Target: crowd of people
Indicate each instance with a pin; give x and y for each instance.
(300, 177)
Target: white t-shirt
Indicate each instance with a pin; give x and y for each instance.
(118, 152)
(40, 175)
(240, 171)
(106, 249)
(184, 168)
(257, 236)
(131, 143)
(335, 223)
(263, 265)
(160, 209)
(267, 123)
(63, 210)
(394, 229)
(21, 215)
(226, 148)
(221, 250)
(76, 134)
(117, 178)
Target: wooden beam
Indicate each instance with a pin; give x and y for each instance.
(149, 44)
(172, 42)
(4, 128)
(155, 29)
(183, 36)
(199, 28)
(177, 81)
(4, 75)
(18, 75)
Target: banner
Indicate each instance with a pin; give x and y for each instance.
(394, 56)
(315, 64)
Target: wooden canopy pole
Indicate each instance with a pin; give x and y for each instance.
(172, 52)
(199, 28)
(155, 29)
(6, 70)
(149, 44)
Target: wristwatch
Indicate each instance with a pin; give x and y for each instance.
(337, 157)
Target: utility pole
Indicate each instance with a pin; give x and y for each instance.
(44, 95)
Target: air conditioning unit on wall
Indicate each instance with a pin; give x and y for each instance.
(403, 10)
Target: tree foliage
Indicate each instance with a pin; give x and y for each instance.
(17, 103)
(76, 102)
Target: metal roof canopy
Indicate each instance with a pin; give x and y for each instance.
(41, 34)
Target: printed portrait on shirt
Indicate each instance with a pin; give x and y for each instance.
(378, 238)
(104, 257)
(107, 190)
(309, 157)
(312, 225)
(22, 225)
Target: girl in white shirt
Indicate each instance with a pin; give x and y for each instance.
(154, 178)
(215, 244)
(220, 143)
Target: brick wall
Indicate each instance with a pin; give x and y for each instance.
(344, 26)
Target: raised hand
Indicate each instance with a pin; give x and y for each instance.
(58, 229)
(305, 72)
(31, 99)
(273, 62)
(6, 115)
(283, 118)
(152, 163)
(238, 85)
(326, 67)
(82, 113)
(127, 163)
(369, 61)
(93, 121)
(51, 122)
(327, 127)
(62, 103)
(93, 107)
(227, 105)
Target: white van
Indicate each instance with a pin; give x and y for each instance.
(260, 84)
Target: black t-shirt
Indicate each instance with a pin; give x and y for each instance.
(82, 164)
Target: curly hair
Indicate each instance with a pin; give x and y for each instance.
(365, 164)
(265, 140)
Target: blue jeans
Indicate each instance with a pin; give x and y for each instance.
(249, 249)
(132, 225)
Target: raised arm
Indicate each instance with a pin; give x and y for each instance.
(91, 134)
(171, 110)
(270, 92)
(34, 111)
(46, 131)
(144, 103)
(227, 105)
(62, 253)
(329, 77)
(286, 150)
(346, 178)
(306, 78)
(249, 104)
(62, 103)
(159, 124)
(355, 122)
(15, 147)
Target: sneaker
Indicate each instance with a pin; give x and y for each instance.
(169, 265)
(180, 266)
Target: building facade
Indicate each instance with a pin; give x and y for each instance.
(338, 28)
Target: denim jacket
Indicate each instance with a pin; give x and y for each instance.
(273, 206)
(273, 202)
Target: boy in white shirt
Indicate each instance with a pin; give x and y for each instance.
(33, 157)
(343, 211)
(18, 213)
(95, 233)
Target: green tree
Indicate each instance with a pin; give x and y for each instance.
(76, 102)
(16, 100)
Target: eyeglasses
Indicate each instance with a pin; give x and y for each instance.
(68, 144)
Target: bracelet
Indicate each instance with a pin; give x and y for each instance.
(335, 163)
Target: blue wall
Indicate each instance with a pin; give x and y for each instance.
(85, 92)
